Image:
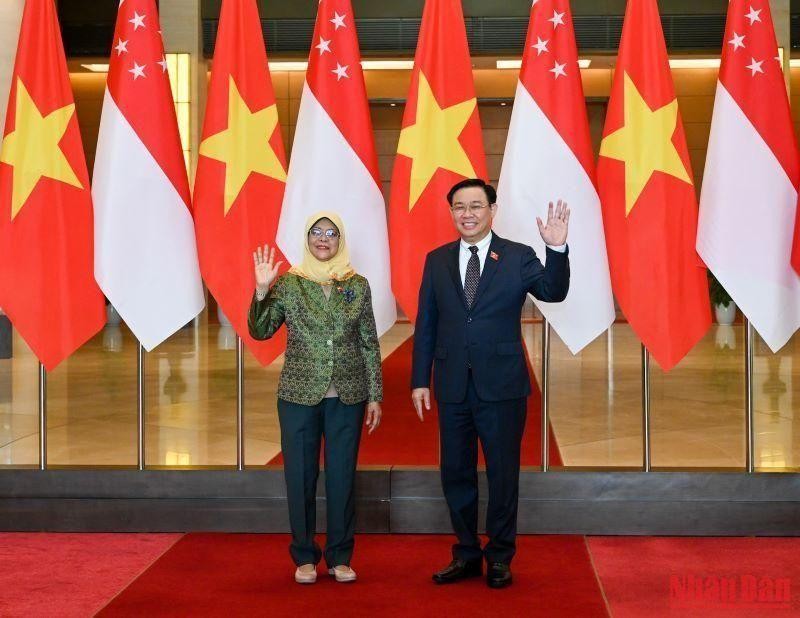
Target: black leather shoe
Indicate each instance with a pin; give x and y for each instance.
(498, 575)
(458, 570)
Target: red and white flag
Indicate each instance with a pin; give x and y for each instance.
(548, 157)
(145, 252)
(333, 164)
(749, 196)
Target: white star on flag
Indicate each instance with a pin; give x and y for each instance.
(163, 63)
(338, 20)
(557, 19)
(121, 46)
(137, 71)
(755, 66)
(323, 46)
(558, 70)
(541, 46)
(533, 4)
(753, 15)
(737, 41)
(137, 21)
(341, 71)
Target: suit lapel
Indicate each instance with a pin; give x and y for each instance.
(455, 273)
(489, 266)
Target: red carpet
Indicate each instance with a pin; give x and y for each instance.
(71, 574)
(660, 584)
(250, 574)
(232, 575)
(403, 440)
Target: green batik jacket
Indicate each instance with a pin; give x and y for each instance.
(328, 339)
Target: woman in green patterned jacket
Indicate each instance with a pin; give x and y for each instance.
(331, 380)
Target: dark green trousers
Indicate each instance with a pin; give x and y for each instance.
(302, 429)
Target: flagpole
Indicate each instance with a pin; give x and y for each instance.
(646, 408)
(239, 403)
(545, 394)
(42, 417)
(748, 397)
(140, 420)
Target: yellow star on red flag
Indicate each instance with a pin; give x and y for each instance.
(244, 146)
(644, 143)
(432, 141)
(33, 150)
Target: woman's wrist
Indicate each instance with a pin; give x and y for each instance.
(261, 292)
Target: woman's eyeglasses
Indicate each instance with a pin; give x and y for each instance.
(316, 232)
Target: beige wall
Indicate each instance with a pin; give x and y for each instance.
(89, 89)
(10, 18)
(181, 25)
(694, 88)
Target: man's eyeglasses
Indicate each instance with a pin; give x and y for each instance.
(316, 232)
(474, 208)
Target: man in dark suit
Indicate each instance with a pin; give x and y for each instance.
(468, 330)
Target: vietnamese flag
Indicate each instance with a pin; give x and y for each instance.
(47, 285)
(241, 172)
(648, 197)
(440, 144)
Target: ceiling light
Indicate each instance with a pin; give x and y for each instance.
(387, 65)
(96, 68)
(694, 63)
(583, 63)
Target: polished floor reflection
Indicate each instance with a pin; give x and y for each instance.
(697, 409)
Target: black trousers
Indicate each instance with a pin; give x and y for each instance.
(499, 425)
(302, 429)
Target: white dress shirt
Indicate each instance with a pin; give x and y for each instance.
(483, 250)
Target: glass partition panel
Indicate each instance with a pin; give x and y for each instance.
(776, 390)
(595, 397)
(191, 398)
(697, 408)
(19, 400)
(91, 402)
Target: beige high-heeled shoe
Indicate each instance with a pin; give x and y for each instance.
(305, 577)
(343, 574)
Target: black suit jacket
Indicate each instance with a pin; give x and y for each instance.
(488, 337)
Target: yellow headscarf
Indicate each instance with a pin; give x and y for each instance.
(338, 268)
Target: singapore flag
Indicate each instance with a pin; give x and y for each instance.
(333, 163)
(548, 157)
(145, 251)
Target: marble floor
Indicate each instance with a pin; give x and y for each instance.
(697, 409)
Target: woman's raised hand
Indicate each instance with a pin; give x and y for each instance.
(266, 268)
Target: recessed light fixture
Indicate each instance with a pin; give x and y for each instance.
(583, 63)
(694, 63)
(288, 65)
(96, 68)
(387, 65)
(370, 65)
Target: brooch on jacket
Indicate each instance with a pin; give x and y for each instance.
(348, 294)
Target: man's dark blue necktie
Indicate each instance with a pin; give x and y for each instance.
(472, 277)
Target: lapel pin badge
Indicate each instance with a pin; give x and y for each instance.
(494, 256)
